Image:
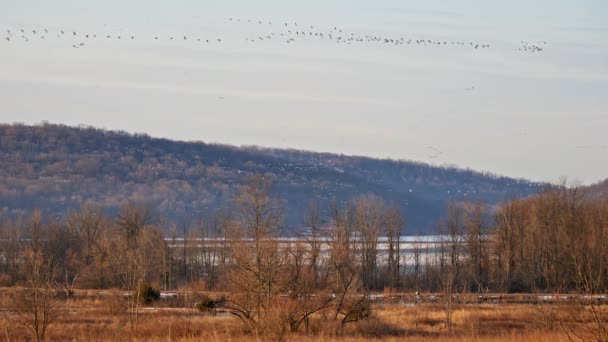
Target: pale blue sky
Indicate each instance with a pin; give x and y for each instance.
(537, 116)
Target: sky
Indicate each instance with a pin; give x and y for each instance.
(540, 116)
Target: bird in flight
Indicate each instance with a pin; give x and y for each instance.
(433, 152)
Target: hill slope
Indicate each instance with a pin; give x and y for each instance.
(597, 190)
(57, 168)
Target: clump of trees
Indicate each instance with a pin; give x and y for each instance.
(552, 242)
(278, 285)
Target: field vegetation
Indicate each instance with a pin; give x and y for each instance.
(103, 316)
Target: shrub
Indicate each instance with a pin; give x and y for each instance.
(145, 294)
(205, 303)
(360, 311)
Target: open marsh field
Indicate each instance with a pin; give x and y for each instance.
(104, 316)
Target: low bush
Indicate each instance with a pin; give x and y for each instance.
(204, 303)
(146, 294)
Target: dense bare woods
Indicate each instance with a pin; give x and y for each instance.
(554, 241)
(551, 242)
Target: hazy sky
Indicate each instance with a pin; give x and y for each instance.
(539, 116)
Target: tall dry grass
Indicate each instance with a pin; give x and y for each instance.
(105, 318)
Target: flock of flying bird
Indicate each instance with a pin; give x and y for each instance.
(292, 32)
(287, 32)
(25, 36)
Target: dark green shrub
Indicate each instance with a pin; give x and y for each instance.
(146, 294)
(205, 303)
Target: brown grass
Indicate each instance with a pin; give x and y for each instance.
(104, 318)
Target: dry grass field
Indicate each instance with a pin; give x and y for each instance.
(105, 318)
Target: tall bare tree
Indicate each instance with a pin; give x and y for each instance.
(451, 251)
(37, 304)
(476, 251)
(255, 276)
(136, 253)
(394, 223)
(312, 220)
(369, 221)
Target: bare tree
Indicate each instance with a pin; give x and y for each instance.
(132, 218)
(86, 226)
(11, 241)
(369, 220)
(312, 220)
(451, 245)
(135, 252)
(345, 277)
(476, 245)
(38, 305)
(305, 297)
(255, 276)
(394, 223)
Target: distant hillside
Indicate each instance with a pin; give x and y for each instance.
(598, 190)
(57, 168)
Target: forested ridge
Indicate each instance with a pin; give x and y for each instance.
(57, 168)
